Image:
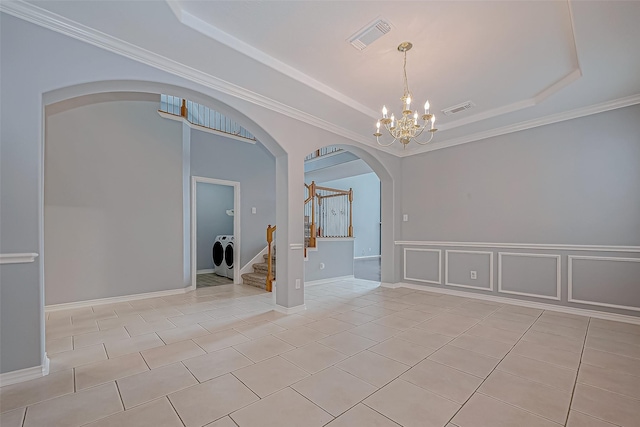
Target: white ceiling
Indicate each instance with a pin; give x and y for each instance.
(523, 63)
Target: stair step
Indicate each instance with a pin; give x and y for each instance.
(262, 268)
(266, 257)
(255, 279)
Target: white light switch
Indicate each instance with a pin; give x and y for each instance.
(405, 217)
(297, 283)
(474, 275)
(254, 210)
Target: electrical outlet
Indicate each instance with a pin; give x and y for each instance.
(254, 210)
(297, 283)
(405, 217)
(322, 266)
(474, 274)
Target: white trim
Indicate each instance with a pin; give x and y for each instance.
(539, 246)
(21, 375)
(367, 257)
(522, 303)
(446, 269)
(237, 238)
(290, 310)
(558, 295)
(205, 271)
(111, 300)
(404, 269)
(248, 267)
(18, 258)
(45, 365)
(594, 258)
(204, 129)
(334, 239)
(325, 281)
(296, 246)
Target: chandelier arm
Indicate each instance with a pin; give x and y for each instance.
(426, 142)
(385, 145)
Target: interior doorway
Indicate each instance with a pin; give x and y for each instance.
(215, 232)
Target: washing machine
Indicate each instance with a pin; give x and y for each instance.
(229, 252)
(217, 253)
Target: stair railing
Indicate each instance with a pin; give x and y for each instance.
(328, 212)
(269, 283)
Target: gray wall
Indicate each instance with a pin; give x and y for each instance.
(336, 255)
(571, 183)
(214, 156)
(366, 211)
(113, 211)
(212, 220)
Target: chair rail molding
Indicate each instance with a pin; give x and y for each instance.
(18, 258)
(539, 246)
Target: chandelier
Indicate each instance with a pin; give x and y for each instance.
(408, 127)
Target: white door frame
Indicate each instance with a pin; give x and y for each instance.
(236, 225)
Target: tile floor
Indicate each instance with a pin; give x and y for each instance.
(360, 355)
(211, 279)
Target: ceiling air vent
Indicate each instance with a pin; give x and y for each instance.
(369, 34)
(458, 108)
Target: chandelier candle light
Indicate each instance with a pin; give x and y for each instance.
(406, 128)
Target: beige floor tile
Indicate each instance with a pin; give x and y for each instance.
(70, 312)
(563, 319)
(334, 390)
(615, 326)
(75, 409)
(215, 364)
(517, 317)
(541, 372)
(147, 386)
(484, 411)
(182, 333)
(397, 322)
(189, 319)
(554, 341)
(533, 312)
(617, 347)
(158, 413)
(223, 323)
(374, 332)
(546, 354)
(424, 338)
(417, 315)
(402, 351)
(448, 324)
(116, 322)
(611, 361)
(269, 376)
(292, 321)
(56, 332)
(314, 357)
(149, 326)
(373, 368)
(362, 415)
(263, 348)
(59, 345)
(100, 337)
(578, 419)
(219, 340)
(285, 408)
(410, 405)
(222, 422)
(442, 380)
(354, 317)
(375, 310)
(618, 336)
(565, 331)
(330, 326)
(12, 418)
(502, 335)
(488, 347)
(465, 360)
(545, 401)
(171, 353)
(71, 359)
(616, 382)
(300, 336)
(34, 391)
(109, 370)
(259, 330)
(506, 325)
(347, 343)
(605, 405)
(133, 345)
(160, 314)
(206, 402)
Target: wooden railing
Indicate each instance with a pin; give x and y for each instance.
(322, 152)
(270, 231)
(328, 212)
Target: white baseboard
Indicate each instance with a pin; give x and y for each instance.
(513, 301)
(248, 267)
(26, 374)
(324, 281)
(367, 257)
(205, 271)
(111, 300)
(290, 310)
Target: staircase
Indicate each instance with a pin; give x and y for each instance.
(259, 276)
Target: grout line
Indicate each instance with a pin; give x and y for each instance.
(175, 410)
(194, 377)
(600, 419)
(575, 384)
(120, 395)
(24, 417)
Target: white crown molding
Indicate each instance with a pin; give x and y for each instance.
(528, 124)
(238, 45)
(18, 258)
(553, 246)
(513, 301)
(111, 300)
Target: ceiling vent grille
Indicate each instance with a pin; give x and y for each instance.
(369, 34)
(458, 108)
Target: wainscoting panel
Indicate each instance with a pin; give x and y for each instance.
(460, 264)
(605, 281)
(423, 265)
(533, 275)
